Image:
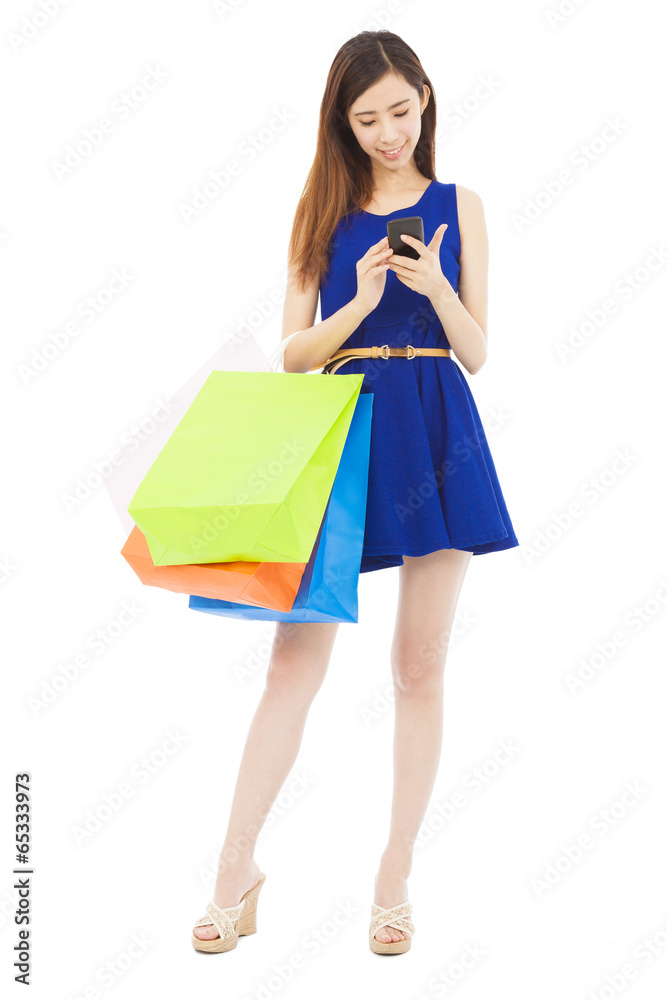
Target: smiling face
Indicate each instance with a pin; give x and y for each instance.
(386, 121)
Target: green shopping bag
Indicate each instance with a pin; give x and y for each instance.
(248, 471)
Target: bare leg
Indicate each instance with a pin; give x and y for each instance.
(429, 588)
(299, 661)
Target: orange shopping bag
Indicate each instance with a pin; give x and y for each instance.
(259, 584)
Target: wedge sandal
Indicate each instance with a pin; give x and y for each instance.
(397, 916)
(231, 923)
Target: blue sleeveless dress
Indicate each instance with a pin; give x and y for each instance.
(432, 483)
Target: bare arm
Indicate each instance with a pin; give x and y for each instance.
(314, 343)
(464, 316)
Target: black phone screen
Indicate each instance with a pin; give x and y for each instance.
(413, 225)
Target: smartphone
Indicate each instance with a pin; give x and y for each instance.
(413, 225)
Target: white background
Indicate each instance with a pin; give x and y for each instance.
(531, 615)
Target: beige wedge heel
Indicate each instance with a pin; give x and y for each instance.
(395, 916)
(231, 923)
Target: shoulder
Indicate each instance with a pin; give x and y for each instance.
(470, 210)
(468, 201)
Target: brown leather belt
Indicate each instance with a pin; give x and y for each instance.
(339, 358)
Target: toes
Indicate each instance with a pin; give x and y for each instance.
(390, 934)
(205, 932)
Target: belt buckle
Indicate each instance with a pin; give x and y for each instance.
(385, 347)
(410, 348)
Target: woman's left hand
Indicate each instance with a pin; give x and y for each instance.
(424, 275)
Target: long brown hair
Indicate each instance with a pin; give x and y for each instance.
(340, 178)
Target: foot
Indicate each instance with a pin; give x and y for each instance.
(230, 886)
(391, 888)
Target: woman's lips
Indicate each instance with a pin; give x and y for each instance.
(393, 156)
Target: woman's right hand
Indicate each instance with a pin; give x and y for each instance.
(372, 275)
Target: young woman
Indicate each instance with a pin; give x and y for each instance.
(434, 499)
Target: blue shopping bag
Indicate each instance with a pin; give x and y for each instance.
(328, 591)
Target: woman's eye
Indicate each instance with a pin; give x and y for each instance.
(402, 115)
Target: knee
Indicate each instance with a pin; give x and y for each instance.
(293, 677)
(297, 666)
(417, 670)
